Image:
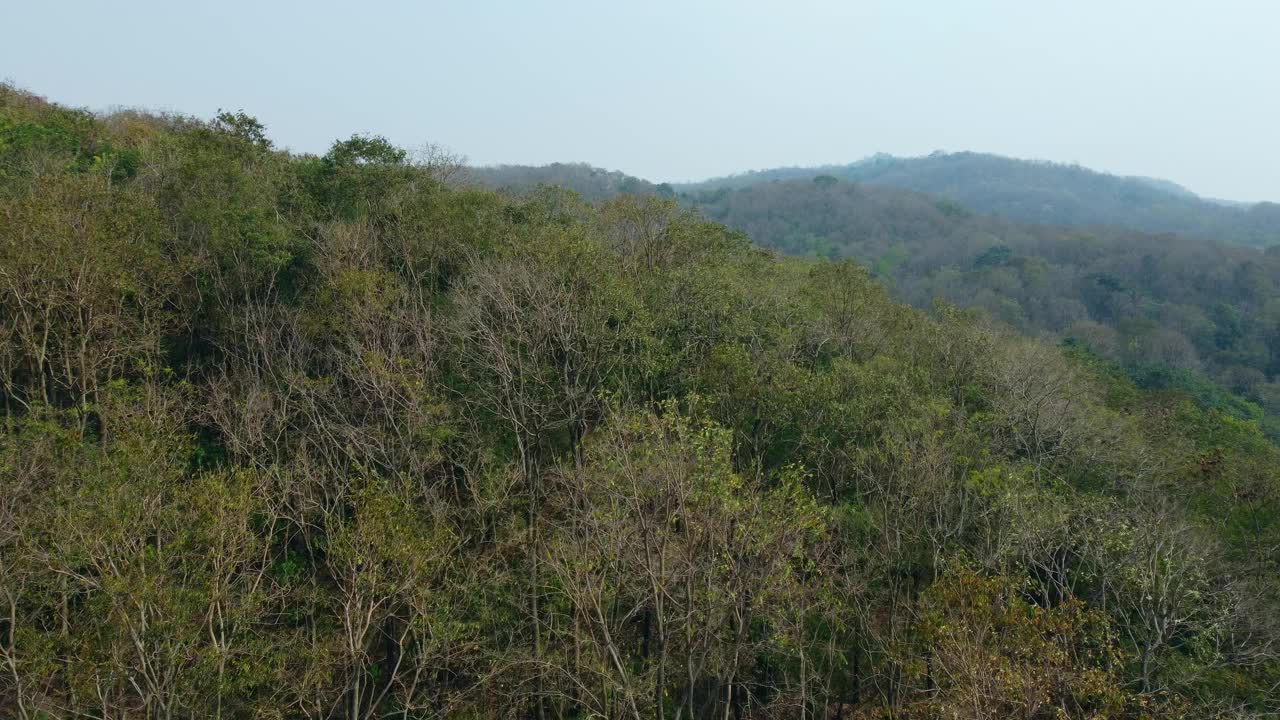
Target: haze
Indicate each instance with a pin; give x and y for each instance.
(681, 91)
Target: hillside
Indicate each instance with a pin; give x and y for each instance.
(1046, 193)
(1136, 298)
(315, 437)
(1144, 300)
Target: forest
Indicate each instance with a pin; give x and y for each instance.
(342, 436)
(1170, 309)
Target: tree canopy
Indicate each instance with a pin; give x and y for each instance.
(311, 437)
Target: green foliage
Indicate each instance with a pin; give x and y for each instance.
(364, 150)
(994, 256)
(294, 436)
(1173, 301)
(1151, 376)
(990, 653)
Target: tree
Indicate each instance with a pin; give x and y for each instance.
(681, 575)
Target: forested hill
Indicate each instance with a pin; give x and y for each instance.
(1170, 308)
(1148, 301)
(330, 437)
(1046, 193)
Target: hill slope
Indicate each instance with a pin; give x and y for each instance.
(1135, 297)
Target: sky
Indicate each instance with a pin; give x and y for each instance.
(1187, 90)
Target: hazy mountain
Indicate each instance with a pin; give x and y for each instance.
(1046, 193)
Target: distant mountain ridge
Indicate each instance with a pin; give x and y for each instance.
(1045, 193)
(591, 182)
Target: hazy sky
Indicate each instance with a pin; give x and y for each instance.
(1188, 91)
